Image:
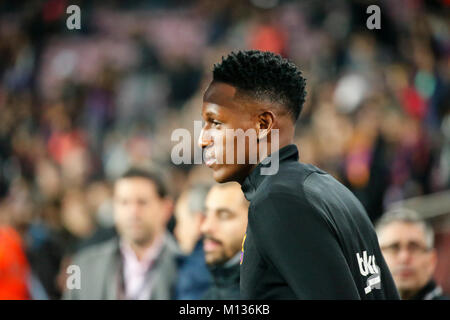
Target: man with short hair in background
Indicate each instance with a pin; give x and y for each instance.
(407, 243)
(223, 230)
(141, 263)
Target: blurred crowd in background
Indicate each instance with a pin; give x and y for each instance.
(79, 107)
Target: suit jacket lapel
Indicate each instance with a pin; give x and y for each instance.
(113, 275)
(164, 271)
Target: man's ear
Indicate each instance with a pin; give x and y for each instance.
(265, 124)
(168, 208)
(433, 259)
(198, 218)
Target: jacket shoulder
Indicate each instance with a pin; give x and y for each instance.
(290, 180)
(95, 263)
(98, 251)
(97, 258)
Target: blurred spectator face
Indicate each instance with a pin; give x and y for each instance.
(409, 257)
(75, 167)
(225, 223)
(75, 216)
(98, 196)
(19, 205)
(48, 179)
(187, 228)
(140, 213)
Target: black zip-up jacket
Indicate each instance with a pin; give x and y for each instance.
(225, 283)
(308, 237)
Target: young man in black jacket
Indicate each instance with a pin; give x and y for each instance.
(308, 237)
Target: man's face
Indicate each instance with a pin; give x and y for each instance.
(225, 223)
(139, 213)
(409, 259)
(187, 227)
(221, 111)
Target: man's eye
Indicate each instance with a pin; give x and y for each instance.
(142, 202)
(216, 123)
(224, 215)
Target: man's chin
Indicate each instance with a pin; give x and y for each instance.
(228, 173)
(215, 261)
(221, 179)
(221, 176)
(140, 241)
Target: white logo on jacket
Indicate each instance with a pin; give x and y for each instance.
(368, 266)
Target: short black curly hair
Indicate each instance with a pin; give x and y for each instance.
(264, 75)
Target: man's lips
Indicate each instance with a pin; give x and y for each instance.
(208, 156)
(404, 273)
(210, 245)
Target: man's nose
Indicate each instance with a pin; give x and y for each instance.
(133, 210)
(206, 226)
(204, 139)
(404, 255)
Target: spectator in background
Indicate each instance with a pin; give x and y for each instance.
(14, 267)
(193, 276)
(407, 243)
(223, 230)
(99, 204)
(141, 263)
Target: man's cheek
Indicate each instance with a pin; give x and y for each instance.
(229, 148)
(219, 144)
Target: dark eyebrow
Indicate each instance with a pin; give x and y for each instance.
(210, 113)
(397, 243)
(220, 210)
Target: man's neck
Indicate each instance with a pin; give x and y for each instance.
(267, 148)
(407, 294)
(267, 151)
(141, 249)
(233, 260)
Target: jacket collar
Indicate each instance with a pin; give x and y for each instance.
(429, 292)
(228, 273)
(163, 264)
(255, 178)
